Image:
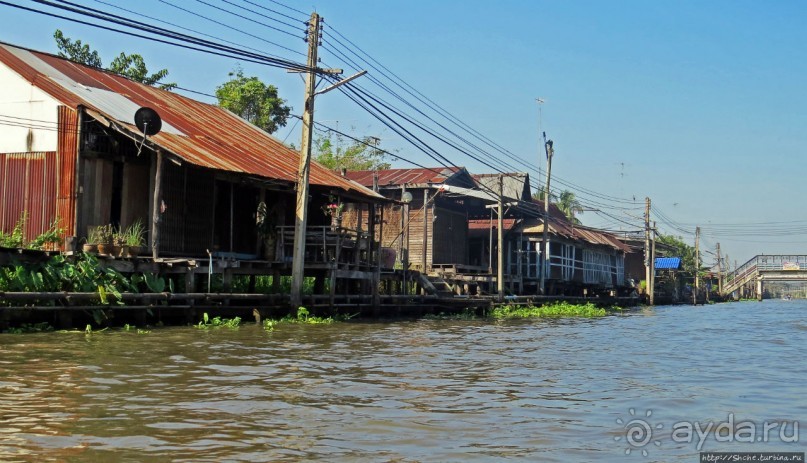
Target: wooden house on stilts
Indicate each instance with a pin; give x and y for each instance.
(70, 153)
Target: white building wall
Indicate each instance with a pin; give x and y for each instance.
(24, 110)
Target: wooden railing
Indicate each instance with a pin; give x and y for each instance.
(328, 245)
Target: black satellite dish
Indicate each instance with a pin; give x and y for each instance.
(148, 121)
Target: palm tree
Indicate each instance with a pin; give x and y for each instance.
(539, 195)
(570, 206)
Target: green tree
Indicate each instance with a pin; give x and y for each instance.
(682, 250)
(566, 202)
(253, 100)
(76, 51)
(541, 194)
(355, 156)
(132, 66)
(570, 206)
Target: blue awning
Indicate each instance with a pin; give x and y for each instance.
(668, 263)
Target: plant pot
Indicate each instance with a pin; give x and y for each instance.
(133, 251)
(105, 249)
(123, 250)
(90, 248)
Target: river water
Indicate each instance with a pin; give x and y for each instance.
(405, 391)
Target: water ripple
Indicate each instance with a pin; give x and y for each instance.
(406, 391)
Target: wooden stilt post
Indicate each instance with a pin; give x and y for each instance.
(155, 217)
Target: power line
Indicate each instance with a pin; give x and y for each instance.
(252, 20)
(304, 17)
(206, 46)
(199, 32)
(429, 103)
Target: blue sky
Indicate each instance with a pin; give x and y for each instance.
(698, 105)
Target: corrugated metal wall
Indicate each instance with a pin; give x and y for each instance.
(65, 181)
(41, 184)
(28, 187)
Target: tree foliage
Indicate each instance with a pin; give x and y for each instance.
(76, 51)
(682, 250)
(570, 206)
(330, 152)
(540, 195)
(253, 100)
(566, 201)
(132, 66)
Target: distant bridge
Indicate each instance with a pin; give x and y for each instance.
(749, 279)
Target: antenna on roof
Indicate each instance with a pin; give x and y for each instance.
(147, 121)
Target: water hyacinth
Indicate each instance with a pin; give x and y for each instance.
(556, 310)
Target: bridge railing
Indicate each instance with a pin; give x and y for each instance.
(762, 263)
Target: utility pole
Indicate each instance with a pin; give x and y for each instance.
(719, 272)
(647, 257)
(304, 170)
(500, 270)
(653, 264)
(545, 242)
(301, 214)
(697, 264)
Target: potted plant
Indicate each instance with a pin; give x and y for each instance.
(134, 238)
(265, 222)
(104, 238)
(119, 248)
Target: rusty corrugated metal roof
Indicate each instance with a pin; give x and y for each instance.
(571, 231)
(485, 224)
(395, 177)
(515, 184)
(199, 133)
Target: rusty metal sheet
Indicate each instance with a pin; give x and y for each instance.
(66, 170)
(395, 177)
(26, 189)
(201, 134)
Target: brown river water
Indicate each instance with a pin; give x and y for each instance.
(406, 391)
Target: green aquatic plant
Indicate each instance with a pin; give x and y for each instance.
(218, 322)
(304, 316)
(466, 314)
(30, 328)
(556, 310)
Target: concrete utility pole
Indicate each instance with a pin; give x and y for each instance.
(653, 233)
(304, 171)
(545, 242)
(697, 264)
(719, 272)
(301, 214)
(425, 249)
(647, 257)
(500, 273)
